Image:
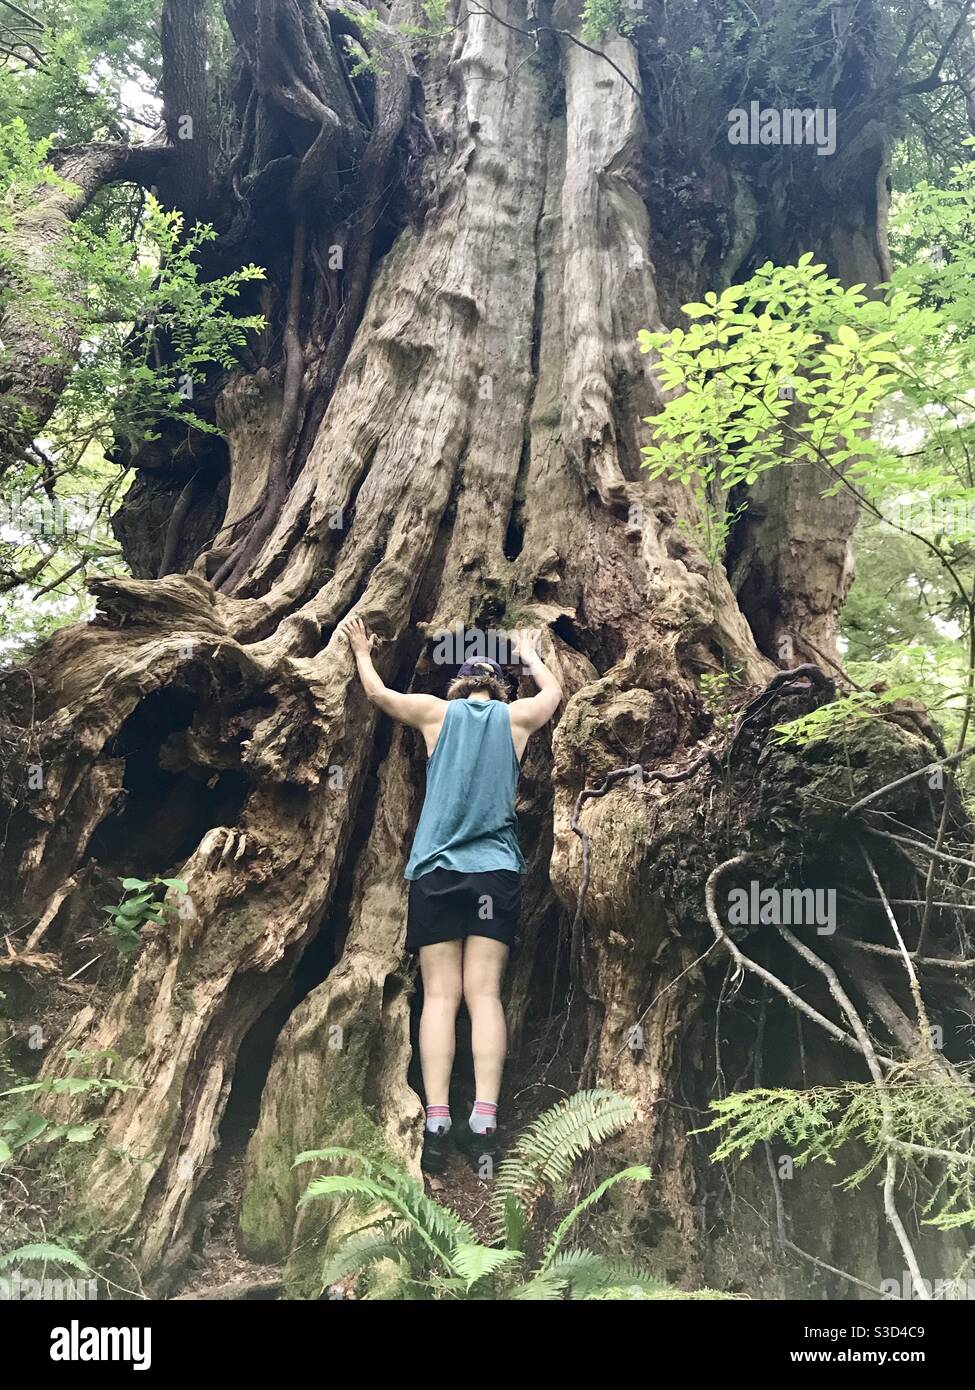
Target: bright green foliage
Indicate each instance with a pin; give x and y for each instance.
(150, 327)
(830, 721)
(43, 1252)
(792, 369)
(546, 1153)
(599, 17)
(434, 26)
(22, 171)
(20, 1125)
(790, 336)
(793, 366)
(934, 1116)
(142, 904)
(126, 279)
(89, 51)
(438, 1255)
(126, 299)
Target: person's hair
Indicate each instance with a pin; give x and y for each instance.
(462, 686)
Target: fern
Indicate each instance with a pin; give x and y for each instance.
(637, 1174)
(474, 1262)
(585, 1272)
(438, 1255)
(545, 1154)
(438, 1228)
(44, 1252)
(541, 1289)
(358, 1252)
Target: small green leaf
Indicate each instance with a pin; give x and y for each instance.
(133, 908)
(36, 1124)
(80, 1134)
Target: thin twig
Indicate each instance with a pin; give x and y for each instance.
(744, 962)
(951, 759)
(946, 962)
(925, 849)
(927, 1037)
(873, 1063)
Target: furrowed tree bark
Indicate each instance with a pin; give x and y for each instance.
(184, 43)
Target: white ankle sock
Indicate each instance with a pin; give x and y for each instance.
(484, 1117)
(438, 1119)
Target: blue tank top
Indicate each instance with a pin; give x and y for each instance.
(468, 820)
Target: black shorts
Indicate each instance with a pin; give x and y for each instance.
(445, 905)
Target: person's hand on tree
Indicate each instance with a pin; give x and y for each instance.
(354, 630)
(526, 643)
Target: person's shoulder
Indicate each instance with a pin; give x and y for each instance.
(428, 709)
(533, 711)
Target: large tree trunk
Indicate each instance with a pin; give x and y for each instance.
(470, 456)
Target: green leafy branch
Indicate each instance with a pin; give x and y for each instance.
(920, 1119)
(143, 905)
(20, 1125)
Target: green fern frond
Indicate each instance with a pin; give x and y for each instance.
(41, 1251)
(545, 1154)
(343, 1185)
(474, 1262)
(439, 1228)
(638, 1173)
(542, 1288)
(514, 1223)
(584, 1272)
(911, 1109)
(357, 1253)
(437, 1256)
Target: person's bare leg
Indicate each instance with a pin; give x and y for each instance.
(440, 967)
(484, 963)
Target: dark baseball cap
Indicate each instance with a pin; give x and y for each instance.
(481, 666)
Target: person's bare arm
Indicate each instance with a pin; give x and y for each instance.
(530, 714)
(421, 712)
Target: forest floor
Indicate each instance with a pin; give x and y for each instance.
(215, 1267)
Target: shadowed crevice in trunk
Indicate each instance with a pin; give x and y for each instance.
(168, 799)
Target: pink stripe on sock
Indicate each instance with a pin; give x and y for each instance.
(438, 1111)
(484, 1107)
